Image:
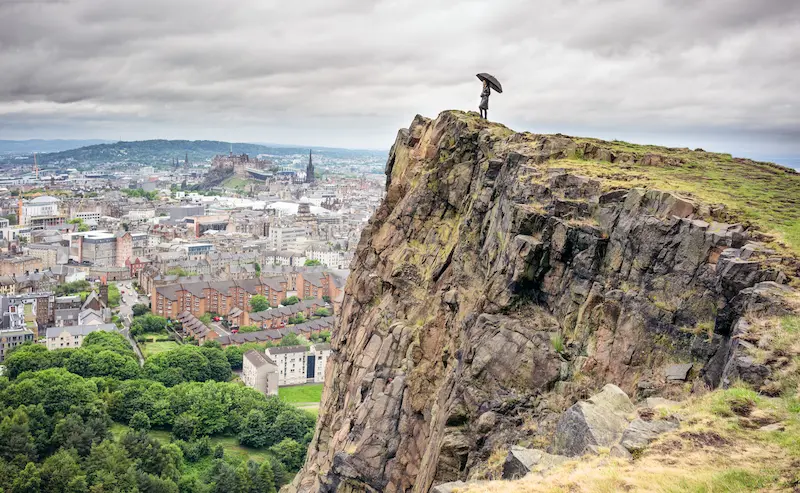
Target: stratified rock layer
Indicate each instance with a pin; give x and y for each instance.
(488, 278)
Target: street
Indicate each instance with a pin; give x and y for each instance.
(128, 297)
(220, 329)
(127, 300)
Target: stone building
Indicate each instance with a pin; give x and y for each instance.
(12, 265)
(98, 248)
(73, 336)
(47, 254)
(13, 338)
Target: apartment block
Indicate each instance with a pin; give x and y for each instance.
(260, 372)
(299, 364)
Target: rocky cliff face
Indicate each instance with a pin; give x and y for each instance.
(493, 288)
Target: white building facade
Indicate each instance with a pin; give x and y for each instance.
(44, 206)
(283, 238)
(297, 365)
(259, 372)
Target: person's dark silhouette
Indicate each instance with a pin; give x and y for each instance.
(484, 106)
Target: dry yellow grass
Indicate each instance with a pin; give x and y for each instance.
(715, 450)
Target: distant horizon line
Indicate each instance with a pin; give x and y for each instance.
(265, 144)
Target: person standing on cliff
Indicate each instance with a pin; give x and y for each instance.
(489, 83)
(484, 106)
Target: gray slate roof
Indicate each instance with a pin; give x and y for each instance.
(257, 358)
(83, 330)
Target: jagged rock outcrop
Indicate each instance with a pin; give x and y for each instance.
(491, 278)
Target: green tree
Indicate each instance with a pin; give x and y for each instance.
(140, 309)
(112, 341)
(113, 295)
(55, 389)
(151, 483)
(291, 423)
(16, 442)
(177, 271)
(291, 339)
(79, 433)
(139, 421)
(249, 328)
(323, 336)
(218, 367)
(34, 357)
(322, 312)
(151, 456)
(297, 319)
(291, 300)
(148, 324)
(223, 477)
(109, 468)
(212, 344)
(28, 480)
(185, 427)
(311, 262)
(72, 288)
(266, 479)
(259, 303)
(256, 431)
(105, 363)
(291, 453)
(61, 472)
(235, 356)
(279, 473)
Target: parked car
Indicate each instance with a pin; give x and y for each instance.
(234, 331)
(216, 319)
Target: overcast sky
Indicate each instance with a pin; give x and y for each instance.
(722, 75)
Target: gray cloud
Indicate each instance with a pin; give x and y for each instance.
(350, 72)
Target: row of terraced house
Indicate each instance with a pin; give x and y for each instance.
(232, 298)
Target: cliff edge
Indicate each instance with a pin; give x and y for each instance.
(507, 275)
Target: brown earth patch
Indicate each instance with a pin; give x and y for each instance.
(704, 438)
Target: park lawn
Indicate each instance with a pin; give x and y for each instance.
(151, 348)
(236, 182)
(309, 407)
(301, 394)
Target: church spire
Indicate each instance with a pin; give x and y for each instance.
(310, 169)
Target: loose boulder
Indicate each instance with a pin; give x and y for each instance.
(521, 461)
(678, 373)
(599, 421)
(640, 433)
(620, 452)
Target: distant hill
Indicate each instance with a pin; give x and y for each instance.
(41, 145)
(160, 152)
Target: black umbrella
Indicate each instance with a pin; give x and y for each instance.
(492, 81)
